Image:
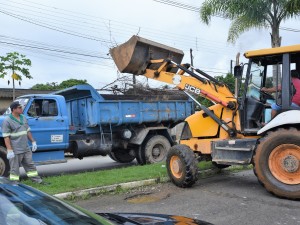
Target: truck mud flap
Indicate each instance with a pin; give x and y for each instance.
(133, 56)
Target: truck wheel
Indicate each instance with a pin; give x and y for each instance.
(121, 156)
(277, 162)
(4, 164)
(182, 166)
(140, 158)
(155, 149)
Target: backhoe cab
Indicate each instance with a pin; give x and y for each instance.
(231, 131)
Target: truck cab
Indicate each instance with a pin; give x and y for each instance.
(47, 118)
(255, 105)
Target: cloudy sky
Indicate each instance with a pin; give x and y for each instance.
(71, 38)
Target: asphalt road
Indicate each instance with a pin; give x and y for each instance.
(226, 198)
(92, 163)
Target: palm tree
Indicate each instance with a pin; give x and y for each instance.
(248, 14)
(14, 62)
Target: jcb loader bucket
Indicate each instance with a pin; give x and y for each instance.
(133, 56)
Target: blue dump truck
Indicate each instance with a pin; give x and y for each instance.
(80, 121)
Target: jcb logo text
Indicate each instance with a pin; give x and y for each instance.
(192, 89)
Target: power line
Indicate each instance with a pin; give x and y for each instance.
(197, 9)
(36, 43)
(119, 28)
(191, 43)
(52, 28)
(45, 15)
(72, 54)
(203, 45)
(53, 50)
(179, 5)
(289, 29)
(164, 35)
(62, 56)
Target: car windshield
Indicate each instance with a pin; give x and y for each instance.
(21, 205)
(22, 101)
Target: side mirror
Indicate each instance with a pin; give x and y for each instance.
(238, 71)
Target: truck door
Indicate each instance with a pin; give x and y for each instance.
(48, 125)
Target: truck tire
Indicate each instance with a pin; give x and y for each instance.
(4, 164)
(121, 156)
(182, 166)
(277, 162)
(155, 149)
(140, 158)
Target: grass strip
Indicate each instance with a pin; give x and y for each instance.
(75, 182)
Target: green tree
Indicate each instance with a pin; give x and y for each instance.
(70, 83)
(249, 14)
(14, 64)
(55, 86)
(228, 80)
(47, 86)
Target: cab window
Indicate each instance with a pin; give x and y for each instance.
(43, 108)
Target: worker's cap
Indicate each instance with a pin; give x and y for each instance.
(14, 105)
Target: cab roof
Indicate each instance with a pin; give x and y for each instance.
(272, 51)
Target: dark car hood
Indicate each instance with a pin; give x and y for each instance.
(148, 218)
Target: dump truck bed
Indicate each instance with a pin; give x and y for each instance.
(87, 108)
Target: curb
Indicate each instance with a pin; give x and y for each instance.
(128, 185)
(109, 188)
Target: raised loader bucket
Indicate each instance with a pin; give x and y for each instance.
(133, 56)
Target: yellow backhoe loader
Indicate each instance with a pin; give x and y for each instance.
(236, 129)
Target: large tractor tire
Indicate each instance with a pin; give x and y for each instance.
(121, 156)
(277, 162)
(4, 164)
(182, 166)
(155, 149)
